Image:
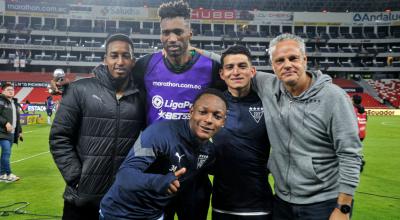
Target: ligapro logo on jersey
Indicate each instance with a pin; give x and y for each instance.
(158, 102)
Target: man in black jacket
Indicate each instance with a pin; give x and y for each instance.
(10, 130)
(96, 125)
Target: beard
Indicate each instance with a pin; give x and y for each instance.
(176, 52)
(118, 82)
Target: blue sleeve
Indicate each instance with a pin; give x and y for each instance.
(132, 177)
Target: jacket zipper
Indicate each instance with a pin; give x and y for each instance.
(288, 148)
(114, 168)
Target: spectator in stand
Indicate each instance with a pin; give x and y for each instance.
(10, 130)
(362, 121)
(98, 122)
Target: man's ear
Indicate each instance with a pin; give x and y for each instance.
(221, 74)
(253, 71)
(191, 111)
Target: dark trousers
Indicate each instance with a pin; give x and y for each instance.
(223, 216)
(73, 212)
(316, 211)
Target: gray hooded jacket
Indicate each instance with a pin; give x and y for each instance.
(314, 138)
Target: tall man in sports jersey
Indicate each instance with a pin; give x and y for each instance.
(240, 188)
(172, 80)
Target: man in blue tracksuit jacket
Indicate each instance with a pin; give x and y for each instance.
(167, 157)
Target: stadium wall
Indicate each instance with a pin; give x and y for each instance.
(383, 112)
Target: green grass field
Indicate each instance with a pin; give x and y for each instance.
(41, 185)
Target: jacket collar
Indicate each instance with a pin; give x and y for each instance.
(2, 96)
(252, 96)
(101, 72)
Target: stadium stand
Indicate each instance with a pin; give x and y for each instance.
(352, 39)
(31, 76)
(388, 89)
(345, 83)
(369, 101)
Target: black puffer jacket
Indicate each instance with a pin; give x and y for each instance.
(92, 133)
(6, 116)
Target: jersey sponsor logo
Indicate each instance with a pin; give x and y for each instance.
(179, 156)
(172, 115)
(177, 85)
(175, 105)
(158, 102)
(257, 113)
(201, 160)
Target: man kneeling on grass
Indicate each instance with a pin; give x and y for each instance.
(166, 157)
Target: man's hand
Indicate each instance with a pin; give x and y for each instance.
(21, 138)
(198, 50)
(338, 215)
(9, 127)
(174, 186)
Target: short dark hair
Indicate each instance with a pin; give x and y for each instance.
(6, 84)
(174, 9)
(235, 49)
(119, 37)
(211, 91)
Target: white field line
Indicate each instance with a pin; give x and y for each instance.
(390, 123)
(27, 158)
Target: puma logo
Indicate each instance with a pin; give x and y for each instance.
(179, 156)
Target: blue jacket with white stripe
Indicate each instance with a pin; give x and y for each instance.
(140, 188)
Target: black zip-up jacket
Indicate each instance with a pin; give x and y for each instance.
(92, 133)
(6, 116)
(242, 149)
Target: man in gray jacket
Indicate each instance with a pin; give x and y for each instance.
(315, 157)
